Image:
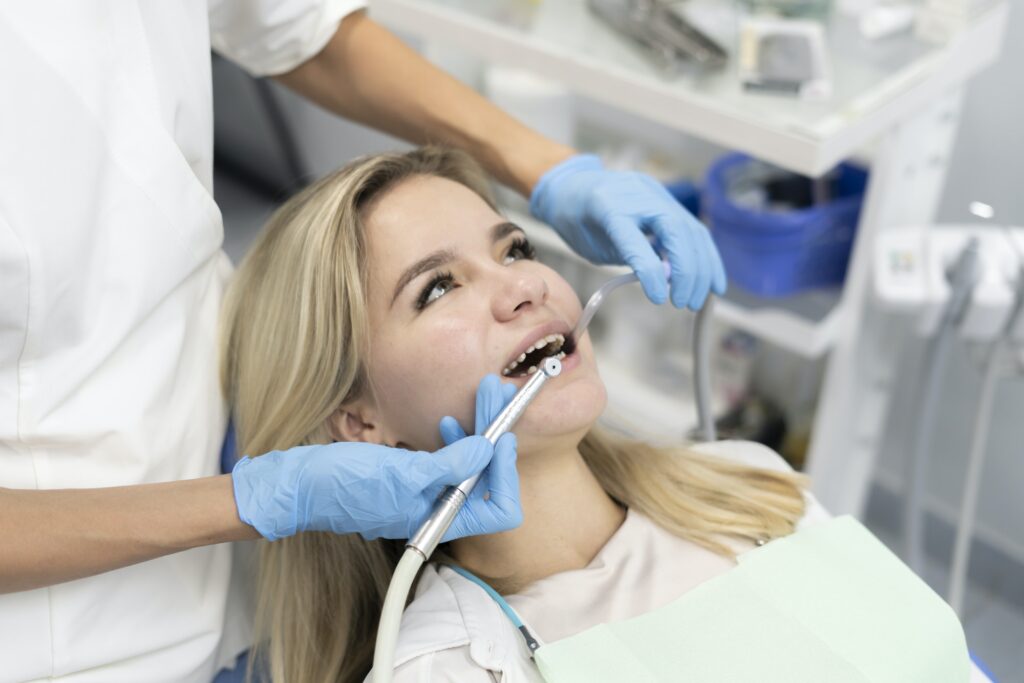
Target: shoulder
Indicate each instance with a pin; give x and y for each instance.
(454, 665)
(754, 454)
(748, 453)
(453, 631)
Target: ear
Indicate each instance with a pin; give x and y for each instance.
(355, 422)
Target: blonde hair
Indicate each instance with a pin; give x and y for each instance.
(294, 347)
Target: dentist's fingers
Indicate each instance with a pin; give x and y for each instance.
(704, 263)
(456, 462)
(719, 283)
(687, 272)
(503, 481)
(451, 430)
(494, 504)
(491, 398)
(639, 255)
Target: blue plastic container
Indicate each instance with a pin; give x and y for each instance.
(687, 193)
(774, 253)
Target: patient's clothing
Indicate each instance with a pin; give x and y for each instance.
(448, 635)
(641, 568)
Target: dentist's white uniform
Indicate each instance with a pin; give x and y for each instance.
(111, 275)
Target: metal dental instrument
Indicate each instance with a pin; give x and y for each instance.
(664, 33)
(430, 532)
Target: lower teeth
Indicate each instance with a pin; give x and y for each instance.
(533, 368)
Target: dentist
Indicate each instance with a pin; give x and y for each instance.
(114, 564)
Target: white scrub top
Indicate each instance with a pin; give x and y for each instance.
(111, 276)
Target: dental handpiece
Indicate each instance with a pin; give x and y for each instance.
(426, 538)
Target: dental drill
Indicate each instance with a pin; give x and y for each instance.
(430, 532)
(423, 543)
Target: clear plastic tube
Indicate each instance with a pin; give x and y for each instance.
(595, 301)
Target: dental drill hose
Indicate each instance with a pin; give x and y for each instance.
(421, 546)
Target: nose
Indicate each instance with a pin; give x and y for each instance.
(517, 291)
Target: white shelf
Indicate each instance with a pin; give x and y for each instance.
(806, 324)
(875, 85)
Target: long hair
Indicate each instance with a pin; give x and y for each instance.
(294, 333)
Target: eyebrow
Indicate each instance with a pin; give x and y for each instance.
(436, 259)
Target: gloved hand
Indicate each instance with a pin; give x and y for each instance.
(377, 491)
(500, 481)
(606, 217)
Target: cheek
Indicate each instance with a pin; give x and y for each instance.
(420, 378)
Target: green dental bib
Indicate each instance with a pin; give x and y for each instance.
(829, 604)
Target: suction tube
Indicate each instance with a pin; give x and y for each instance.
(702, 371)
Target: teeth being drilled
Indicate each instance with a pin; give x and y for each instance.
(539, 344)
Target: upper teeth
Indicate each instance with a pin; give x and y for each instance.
(539, 344)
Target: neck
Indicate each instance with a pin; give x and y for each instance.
(567, 519)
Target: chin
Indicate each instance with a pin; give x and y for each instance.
(568, 410)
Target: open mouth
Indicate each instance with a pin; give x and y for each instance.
(557, 345)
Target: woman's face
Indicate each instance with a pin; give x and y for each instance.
(454, 294)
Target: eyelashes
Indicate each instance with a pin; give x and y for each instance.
(523, 246)
(441, 283)
(427, 293)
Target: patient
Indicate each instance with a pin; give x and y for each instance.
(337, 329)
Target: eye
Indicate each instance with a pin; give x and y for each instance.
(439, 285)
(519, 250)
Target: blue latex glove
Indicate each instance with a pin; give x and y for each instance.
(378, 491)
(497, 481)
(607, 216)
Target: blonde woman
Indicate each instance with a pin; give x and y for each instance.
(373, 303)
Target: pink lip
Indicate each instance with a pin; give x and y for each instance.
(552, 327)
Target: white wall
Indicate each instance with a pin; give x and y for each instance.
(988, 159)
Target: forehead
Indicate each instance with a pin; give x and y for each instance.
(422, 214)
